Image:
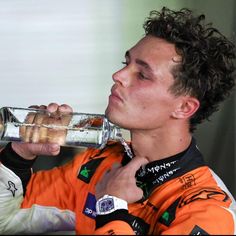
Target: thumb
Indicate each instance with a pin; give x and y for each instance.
(30, 150)
(51, 149)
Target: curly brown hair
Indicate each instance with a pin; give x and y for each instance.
(207, 67)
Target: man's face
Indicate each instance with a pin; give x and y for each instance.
(140, 97)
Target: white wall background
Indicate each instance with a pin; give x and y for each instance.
(58, 50)
(65, 51)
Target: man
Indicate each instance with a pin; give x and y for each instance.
(172, 79)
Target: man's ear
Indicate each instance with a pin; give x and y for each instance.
(186, 107)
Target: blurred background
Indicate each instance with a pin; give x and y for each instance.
(66, 51)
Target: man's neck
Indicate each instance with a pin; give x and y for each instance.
(157, 145)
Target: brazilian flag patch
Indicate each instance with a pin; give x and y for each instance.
(88, 169)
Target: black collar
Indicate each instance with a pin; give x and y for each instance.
(158, 172)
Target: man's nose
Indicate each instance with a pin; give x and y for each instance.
(122, 77)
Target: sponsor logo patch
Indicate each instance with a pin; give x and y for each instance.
(111, 232)
(87, 170)
(90, 206)
(169, 215)
(198, 231)
(187, 181)
(12, 188)
(139, 226)
(204, 194)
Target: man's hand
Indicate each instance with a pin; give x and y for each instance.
(120, 181)
(48, 146)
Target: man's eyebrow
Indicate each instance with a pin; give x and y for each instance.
(139, 62)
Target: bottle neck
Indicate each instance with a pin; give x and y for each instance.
(115, 133)
(1, 122)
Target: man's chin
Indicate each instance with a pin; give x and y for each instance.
(110, 116)
(107, 112)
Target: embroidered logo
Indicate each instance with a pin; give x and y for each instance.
(161, 167)
(139, 226)
(88, 169)
(164, 176)
(111, 232)
(187, 181)
(84, 172)
(204, 194)
(198, 231)
(166, 216)
(12, 188)
(90, 206)
(169, 215)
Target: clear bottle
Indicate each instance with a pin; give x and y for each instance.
(67, 129)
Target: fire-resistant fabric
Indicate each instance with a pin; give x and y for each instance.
(183, 197)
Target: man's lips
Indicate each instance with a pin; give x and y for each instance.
(116, 95)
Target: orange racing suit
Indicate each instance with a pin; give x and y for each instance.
(182, 195)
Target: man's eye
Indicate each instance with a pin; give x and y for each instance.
(124, 63)
(142, 76)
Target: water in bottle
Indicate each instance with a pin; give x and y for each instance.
(67, 129)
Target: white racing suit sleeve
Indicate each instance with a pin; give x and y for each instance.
(37, 219)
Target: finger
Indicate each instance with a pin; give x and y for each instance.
(64, 115)
(135, 164)
(43, 130)
(64, 108)
(58, 133)
(37, 129)
(34, 106)
(37, 133)
(28, 130)
(52, 107)
(65, 118)
(42, 107)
